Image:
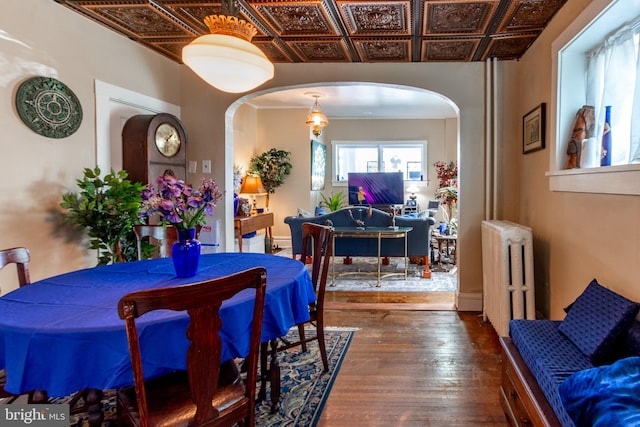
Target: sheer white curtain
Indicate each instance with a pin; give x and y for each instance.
(613, 79)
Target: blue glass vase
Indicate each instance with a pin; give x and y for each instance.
(186, 253)
(605, 157)
(236, 202)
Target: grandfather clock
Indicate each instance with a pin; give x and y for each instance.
(152, 144)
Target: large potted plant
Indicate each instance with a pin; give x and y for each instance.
(108, 209)
(272, 167)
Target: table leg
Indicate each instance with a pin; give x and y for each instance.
(333, 262)
(406, 261)
(379, 243)
(239, 241)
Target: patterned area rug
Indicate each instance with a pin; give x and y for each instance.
(304, 385)
(361, 276)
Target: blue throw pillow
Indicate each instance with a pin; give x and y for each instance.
(596, 319)
(607, 396)
(321, 211)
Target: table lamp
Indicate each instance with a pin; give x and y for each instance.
(413, 189)
(252, 185)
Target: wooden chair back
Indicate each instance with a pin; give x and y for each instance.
(162, 237)
(203, 381)
(318, 239)
(20, 257)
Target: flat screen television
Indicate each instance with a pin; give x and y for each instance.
(376, 188)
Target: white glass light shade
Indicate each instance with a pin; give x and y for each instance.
(228, 63)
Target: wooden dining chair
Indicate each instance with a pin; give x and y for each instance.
(160, 236)
(20, 257)
(318, 239)
(208, 392)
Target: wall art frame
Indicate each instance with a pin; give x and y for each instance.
(318, 164)
(534, 129)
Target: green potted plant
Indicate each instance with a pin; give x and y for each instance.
(108, 208)
(272, 167)
(333, 202)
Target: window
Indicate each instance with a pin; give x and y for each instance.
(408, 157)
(584, 58)
(612, 78)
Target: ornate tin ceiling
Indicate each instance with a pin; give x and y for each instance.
(340, 30)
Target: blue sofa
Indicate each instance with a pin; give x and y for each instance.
(417, 239)
(581, 371)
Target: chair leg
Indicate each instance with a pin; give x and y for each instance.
(321, 345)
(301, 334)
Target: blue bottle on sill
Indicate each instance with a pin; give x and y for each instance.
(605, 155)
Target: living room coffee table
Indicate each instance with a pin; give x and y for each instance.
(378, 233)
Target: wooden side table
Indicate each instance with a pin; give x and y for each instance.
(248, 224)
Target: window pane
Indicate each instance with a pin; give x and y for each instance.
(355, 159)
(405, 156)
(407, 160)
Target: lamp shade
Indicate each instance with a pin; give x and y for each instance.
(412, 189)
(317, 119)
(252, 185)
(226, 58)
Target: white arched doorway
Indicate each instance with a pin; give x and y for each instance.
(343, 102)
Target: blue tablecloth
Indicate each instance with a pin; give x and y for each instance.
(63, 334)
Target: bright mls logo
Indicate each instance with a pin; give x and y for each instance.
(35, 415)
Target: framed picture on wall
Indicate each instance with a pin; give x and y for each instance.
(533, 129)
(318, 164)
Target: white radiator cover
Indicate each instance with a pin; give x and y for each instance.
(507, 274)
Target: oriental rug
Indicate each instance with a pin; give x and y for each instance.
(304, 385)
(361, 276)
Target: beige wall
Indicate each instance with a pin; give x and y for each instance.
(44, 38)
(285, 129)
(42, 169)
(578, 236)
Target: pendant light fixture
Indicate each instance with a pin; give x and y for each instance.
(316, 118)
(226, 58)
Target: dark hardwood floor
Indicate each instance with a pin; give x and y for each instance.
(412, 364)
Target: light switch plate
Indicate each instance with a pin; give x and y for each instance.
(193, 166)
(206, 166)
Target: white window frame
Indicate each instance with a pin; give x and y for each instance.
(377, 144)
(589, 29)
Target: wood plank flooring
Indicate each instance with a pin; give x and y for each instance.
(412, 367)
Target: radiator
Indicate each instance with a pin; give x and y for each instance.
(507, 274)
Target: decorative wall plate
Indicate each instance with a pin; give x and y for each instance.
(48, 107)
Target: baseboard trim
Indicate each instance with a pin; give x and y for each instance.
(469, 301)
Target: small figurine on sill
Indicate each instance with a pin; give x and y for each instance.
(582, 130)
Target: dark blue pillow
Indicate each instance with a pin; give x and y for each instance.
(596, 319)
(606, 396)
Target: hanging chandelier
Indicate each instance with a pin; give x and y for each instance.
(316, 118)
(226, 58)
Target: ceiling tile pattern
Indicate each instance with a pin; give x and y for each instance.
(340, 30)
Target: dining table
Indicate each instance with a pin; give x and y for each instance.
(63, 334)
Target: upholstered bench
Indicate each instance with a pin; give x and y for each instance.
(553, 370)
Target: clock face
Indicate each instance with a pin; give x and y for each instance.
(48, 107)
(168, 140)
